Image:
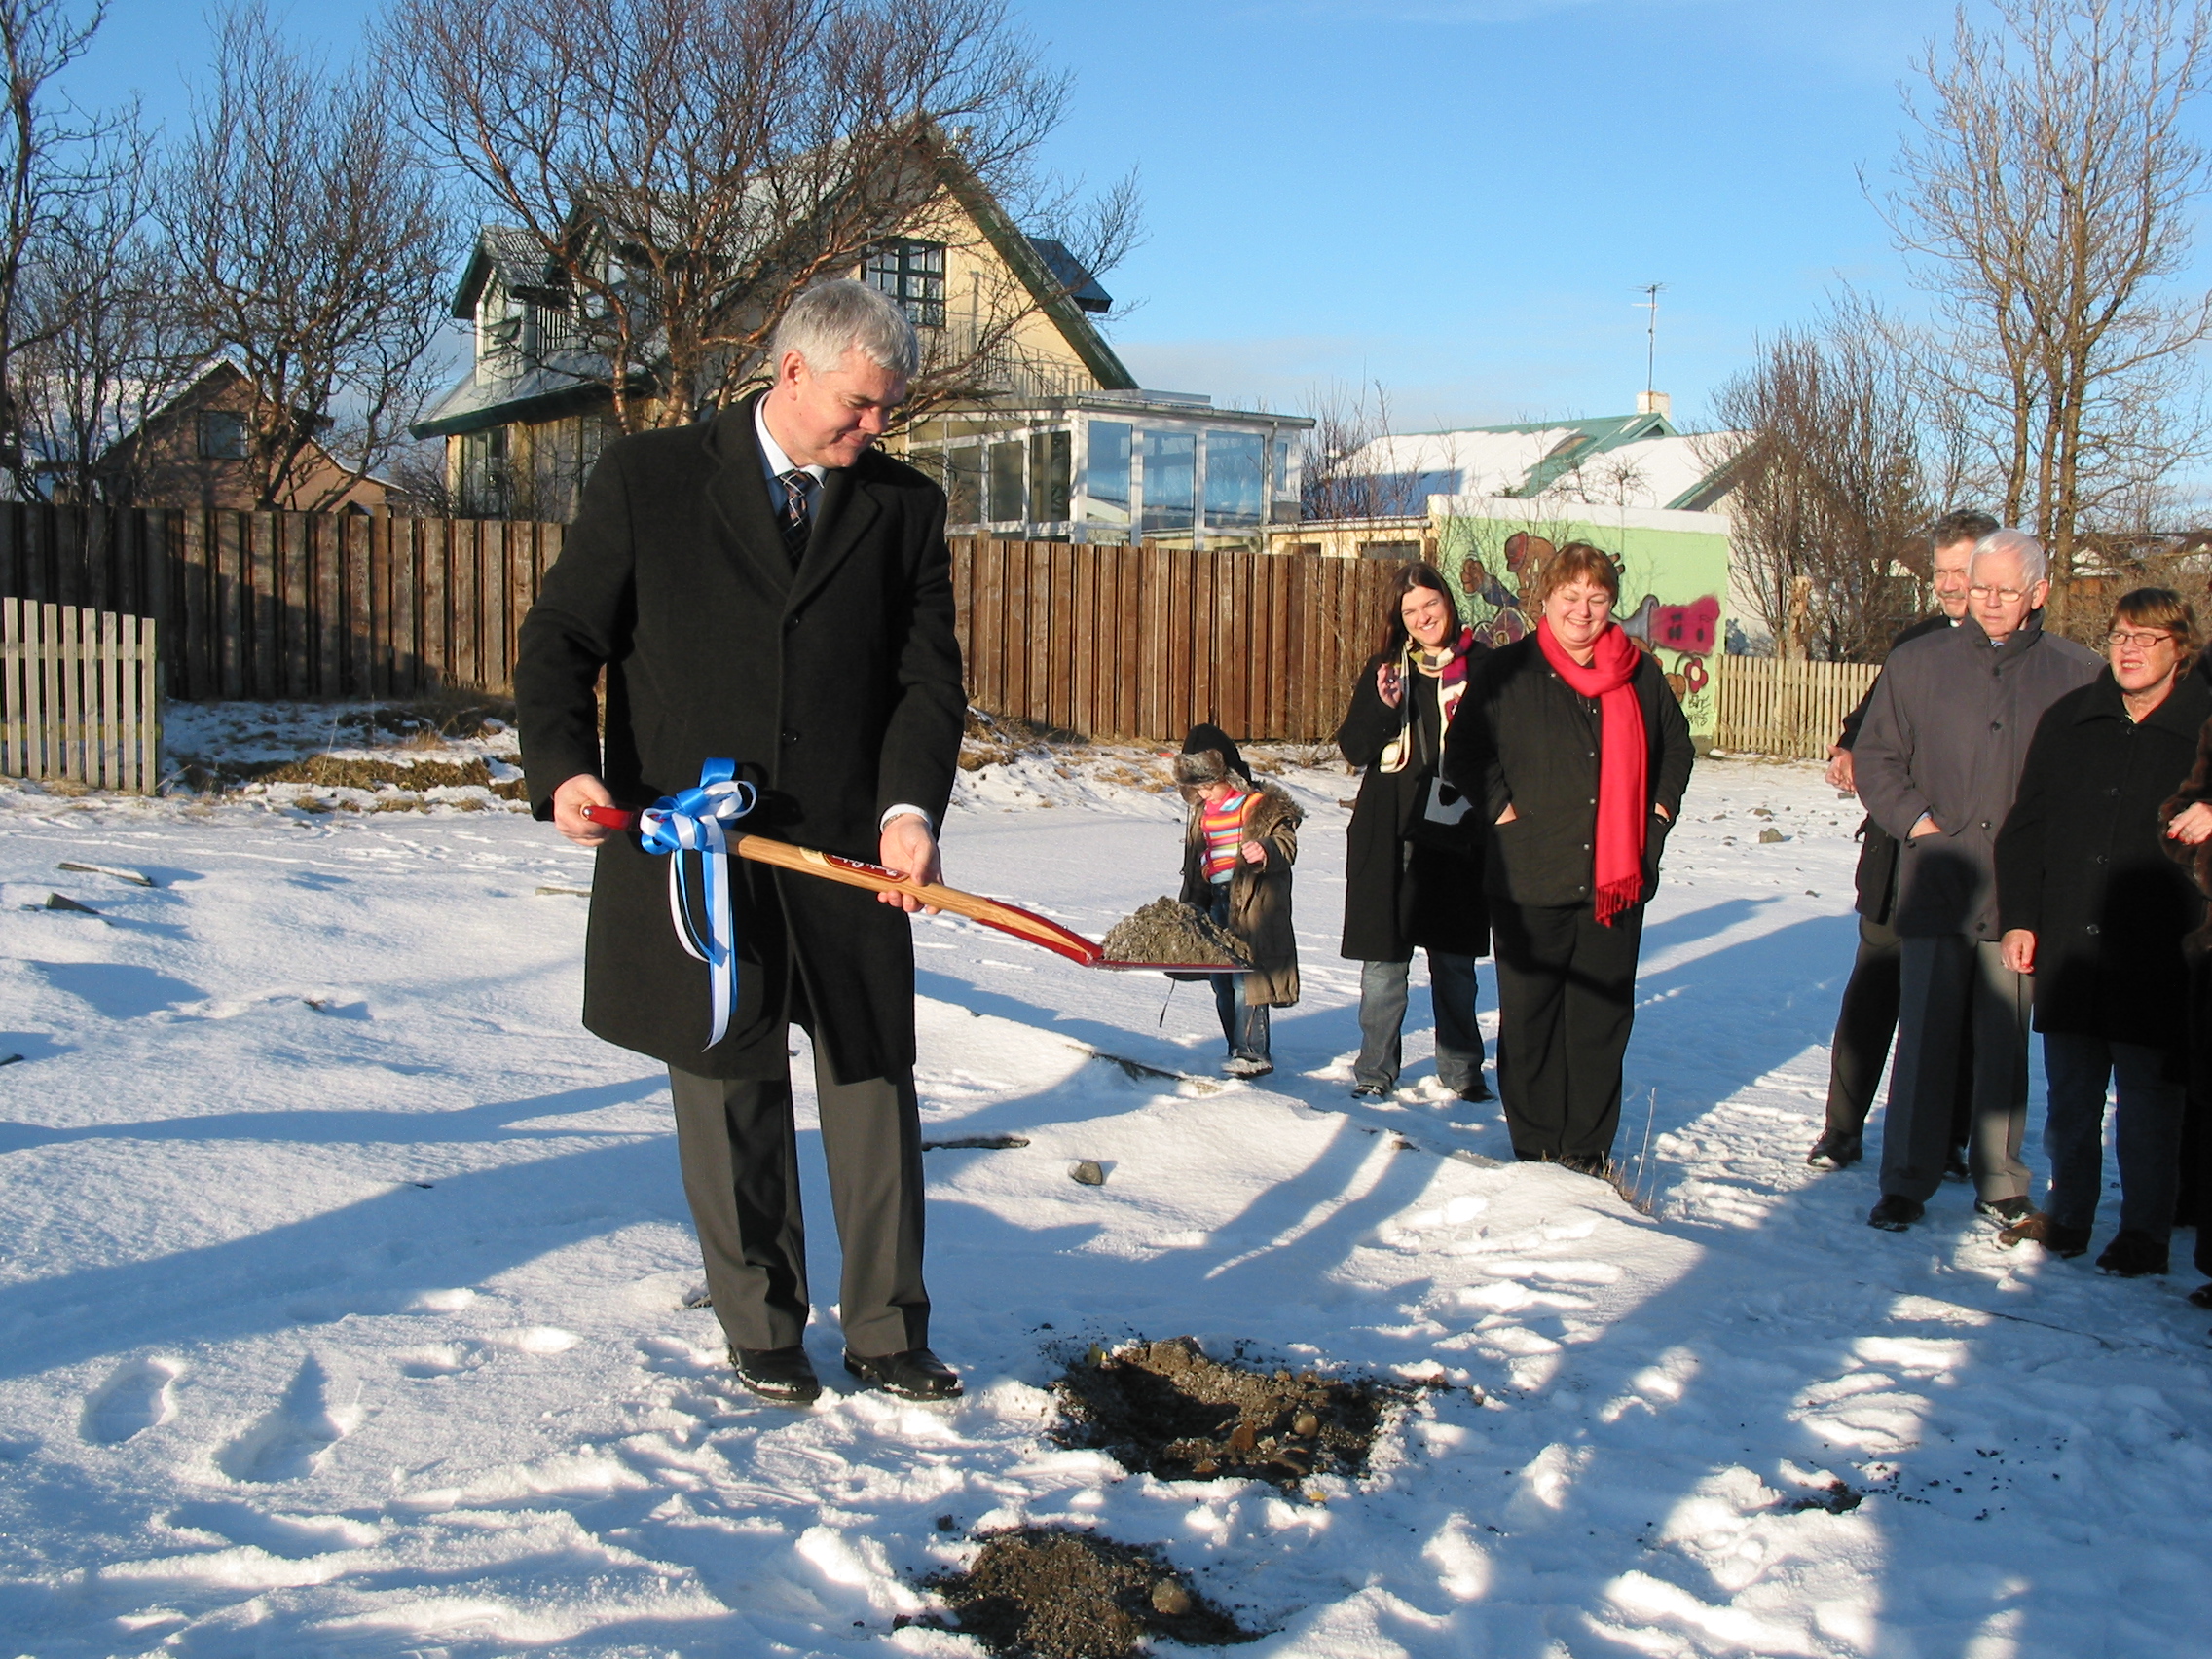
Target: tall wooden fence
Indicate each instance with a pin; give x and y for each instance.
(292, 605)
(79, 696)
(1143, 642)
(1787, 709)
(1112, 642)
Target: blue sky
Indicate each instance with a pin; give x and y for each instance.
(1456, 198)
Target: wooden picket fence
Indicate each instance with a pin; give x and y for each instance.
(80, 696)
(1790, 710)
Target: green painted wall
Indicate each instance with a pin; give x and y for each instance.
(1673, 590)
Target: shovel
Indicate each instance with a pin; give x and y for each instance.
(1022, 924)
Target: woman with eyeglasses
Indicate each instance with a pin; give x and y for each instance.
(2092, 907)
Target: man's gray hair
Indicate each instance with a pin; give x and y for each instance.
(2035, 563)
(831, 318)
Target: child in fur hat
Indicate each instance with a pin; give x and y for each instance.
(1238, 846)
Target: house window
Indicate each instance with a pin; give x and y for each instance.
(222, 435)
(1170, 480)
(1106, 480)
(912, 272)
(1233, 480)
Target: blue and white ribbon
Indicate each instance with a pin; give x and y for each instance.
(692, 822)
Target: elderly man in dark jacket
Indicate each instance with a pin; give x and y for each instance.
(765, 587)
(1867, 1018)
(1938, 760)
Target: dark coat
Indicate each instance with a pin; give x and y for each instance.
(836, 690)
(1523, 738)
(2079, 865)
(1947, 731)
(2196, 790)
(1259, 895)
(1398, 894)
(1876, 878)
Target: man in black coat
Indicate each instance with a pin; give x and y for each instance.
(765, 587)
(1867, 1018)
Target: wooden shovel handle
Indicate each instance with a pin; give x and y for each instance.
(1006, 919)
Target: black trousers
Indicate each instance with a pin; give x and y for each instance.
(1565, 1002)
(1864, 1025)
(739, 1149)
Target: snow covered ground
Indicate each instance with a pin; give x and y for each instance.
(342, 1301)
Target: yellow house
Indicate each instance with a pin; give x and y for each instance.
(1046, 435)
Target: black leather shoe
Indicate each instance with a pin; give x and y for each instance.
(2132, 1255)
(915, 1375)
(2005, 1212)
(1370, 1092)
(1837, 1149)
(1895, 1212)
(780, 1375)
(1477, 1091)
(1955, 1165)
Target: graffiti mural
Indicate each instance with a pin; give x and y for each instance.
(1673, 581)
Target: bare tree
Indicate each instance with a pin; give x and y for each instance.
(2046, 192)
(1833, 485)
(686, 168)
(1337, 468)
(53, 160)
(309, 230)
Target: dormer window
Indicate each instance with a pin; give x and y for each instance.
(912, 272)
(222, 435)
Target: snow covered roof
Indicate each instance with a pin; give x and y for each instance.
(1637, 460)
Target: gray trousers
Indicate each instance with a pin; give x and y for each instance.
(1382, 1018)
(1943, 981)
(739, 1150)
(2146, 1132)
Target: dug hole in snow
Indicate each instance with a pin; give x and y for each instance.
(343, 1305)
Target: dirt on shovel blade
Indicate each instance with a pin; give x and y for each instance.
(1046, 1593)
(1165, 930)
(1168, 1409)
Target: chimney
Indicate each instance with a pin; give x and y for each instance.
(1654, 403)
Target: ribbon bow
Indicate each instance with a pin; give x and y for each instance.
(692, 822)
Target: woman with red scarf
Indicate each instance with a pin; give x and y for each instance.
(1579, 754)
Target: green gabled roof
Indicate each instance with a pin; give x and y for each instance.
(1599, 433)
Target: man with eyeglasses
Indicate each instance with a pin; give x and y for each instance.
(1937, 762)
(1868, 1016)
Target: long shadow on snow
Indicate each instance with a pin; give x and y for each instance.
(365, 1258)
(353, 1126)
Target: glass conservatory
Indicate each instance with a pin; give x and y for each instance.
(1165, 467)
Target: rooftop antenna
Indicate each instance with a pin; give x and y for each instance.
(1651, 402)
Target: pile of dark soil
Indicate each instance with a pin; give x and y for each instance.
(1165, 930)
(1045, 1593)
(328, 771)
(1165, 1409)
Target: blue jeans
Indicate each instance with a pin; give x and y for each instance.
(1382, 1018)
(2146, 1132)
(1244, 1025)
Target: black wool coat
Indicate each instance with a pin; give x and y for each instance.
(1523, 738)
(2079, 863)
(835, 688)
(1398, 894)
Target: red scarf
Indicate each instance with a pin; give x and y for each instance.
(1623, 760)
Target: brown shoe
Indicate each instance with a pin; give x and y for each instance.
(2037, 1228)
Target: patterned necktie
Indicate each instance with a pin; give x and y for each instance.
(794, 483)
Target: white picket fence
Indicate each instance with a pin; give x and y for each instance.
(80, 696)
(1792, 710)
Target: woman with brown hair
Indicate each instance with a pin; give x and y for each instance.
(1575, 750)
(2091, 906)
(1414, 859)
